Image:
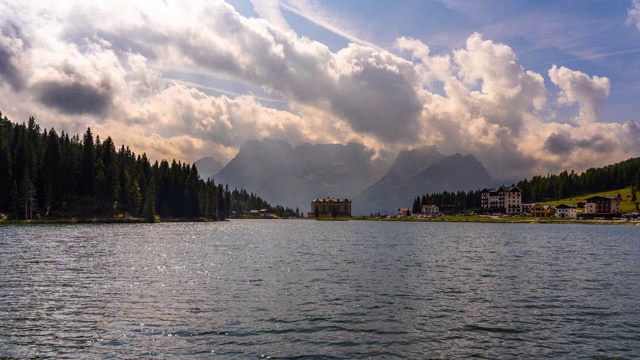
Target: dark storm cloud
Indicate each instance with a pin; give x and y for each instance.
(9, 70)
(562, 144)
(596, 143)
(559, 144)
(74, 98)
(379, 102)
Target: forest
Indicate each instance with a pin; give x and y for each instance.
(551, 187)
(46, 175)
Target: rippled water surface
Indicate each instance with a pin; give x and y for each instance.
(286, 289)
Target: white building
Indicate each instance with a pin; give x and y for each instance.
(566, 211)
(502, 200)
(430, 210)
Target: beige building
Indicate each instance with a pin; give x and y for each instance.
(431, 210)
(602, 205)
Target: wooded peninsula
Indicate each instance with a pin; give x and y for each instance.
(46, 175)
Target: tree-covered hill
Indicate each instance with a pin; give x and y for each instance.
(44, 174)
(625, 174)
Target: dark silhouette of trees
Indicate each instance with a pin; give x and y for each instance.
(43, 174)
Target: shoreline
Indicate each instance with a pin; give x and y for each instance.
(99, 220)
(440, 219)
(502, 220)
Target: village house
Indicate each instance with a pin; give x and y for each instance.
(430, 210)
(566, 211)
(539, 210)
(502, 200)
(331, 207)
(526, 208)
(404, 212)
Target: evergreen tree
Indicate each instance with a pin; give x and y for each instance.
(87, 173)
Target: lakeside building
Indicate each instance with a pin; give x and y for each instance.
(404, 212)
(602, 207)
(539, 210)
(566, 211)
(502, 200)
(430, 210)
(526, 208)
(331, 207)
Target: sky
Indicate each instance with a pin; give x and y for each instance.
(527, 87)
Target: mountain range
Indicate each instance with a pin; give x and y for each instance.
(293, 177)
(418, 172)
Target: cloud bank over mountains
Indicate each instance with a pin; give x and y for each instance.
(112, 66)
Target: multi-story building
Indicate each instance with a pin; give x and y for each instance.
(330, 207)
(502, 200)
(602, 205)
(430, 210)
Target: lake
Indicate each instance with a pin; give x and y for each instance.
(301, 288)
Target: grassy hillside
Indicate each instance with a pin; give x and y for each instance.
(626, 205)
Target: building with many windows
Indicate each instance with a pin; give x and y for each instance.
(602, 206)
(430, 210)
(502, 200)
(331, 207)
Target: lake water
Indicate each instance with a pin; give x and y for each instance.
(290, 289)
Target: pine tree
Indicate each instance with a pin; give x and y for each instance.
(87, 172)
(5, 177)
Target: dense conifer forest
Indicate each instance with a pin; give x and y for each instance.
(551, 187)
(44, 174)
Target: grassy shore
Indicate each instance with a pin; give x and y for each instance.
(626, 205)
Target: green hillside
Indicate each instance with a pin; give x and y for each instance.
(626, 204)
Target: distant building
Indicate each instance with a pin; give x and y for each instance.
(430, 210)
(331, 207)
(502, 200)
(602, 205)
(526, 208)
(605, 207)
(539, 210)
(404, 212)
(566, 211)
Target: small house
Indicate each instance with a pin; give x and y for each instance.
(404, 212)
(566, 211)
(539, 210)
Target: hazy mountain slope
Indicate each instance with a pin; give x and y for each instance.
(295, 176)
(453, 173)
(208, 167)
(389, 188)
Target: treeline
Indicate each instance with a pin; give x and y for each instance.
(461, 200)
(556, 187)
(44, 174)
(550, 187)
